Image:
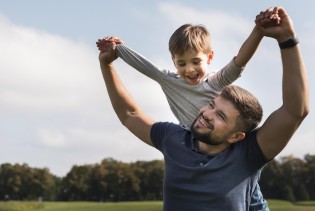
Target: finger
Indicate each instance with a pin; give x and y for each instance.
(267, 14)
(261, 15)
(275, 10)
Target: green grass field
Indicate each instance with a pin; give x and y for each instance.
(274, 205)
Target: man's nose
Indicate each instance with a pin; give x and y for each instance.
(208, 114)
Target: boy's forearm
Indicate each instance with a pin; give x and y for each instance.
(248, 48)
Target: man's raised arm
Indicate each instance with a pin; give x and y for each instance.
(282, 123)
(125, 107)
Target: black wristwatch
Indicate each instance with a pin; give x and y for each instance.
(289, 43)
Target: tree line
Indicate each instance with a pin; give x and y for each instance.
(288, 178)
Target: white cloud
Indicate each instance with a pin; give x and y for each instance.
(41, 70)
(52, 138)
(53, 88)
(216, 21)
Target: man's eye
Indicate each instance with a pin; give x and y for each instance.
(221, 116)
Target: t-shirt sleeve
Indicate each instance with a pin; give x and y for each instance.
(158, 131)
(161, 131)
(225, 76)
(254, 152)
(139, 62)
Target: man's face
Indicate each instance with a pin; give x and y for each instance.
(192, 66)
(216, 122)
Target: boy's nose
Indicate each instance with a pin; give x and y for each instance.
(190, 68)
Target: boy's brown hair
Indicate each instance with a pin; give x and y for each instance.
(190, 37)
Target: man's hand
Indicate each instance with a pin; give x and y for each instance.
(107, 47)
(107, 51)
(274, 22)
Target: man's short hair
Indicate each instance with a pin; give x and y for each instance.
(247, 104)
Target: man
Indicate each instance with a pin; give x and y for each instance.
(218, 163)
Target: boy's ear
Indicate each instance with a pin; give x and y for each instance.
(210, 57)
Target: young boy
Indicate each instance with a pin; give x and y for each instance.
(192, 87)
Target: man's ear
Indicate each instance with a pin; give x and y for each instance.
(210, 57)
(235, 137)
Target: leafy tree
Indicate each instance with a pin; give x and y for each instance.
(121, 181)
(310, 175)
(77, 182)
(10, 182)
(150, 175)
(20, 182)
(288, 179)
(271, 181)
(301, 193)
(99, 184)
(288, 193)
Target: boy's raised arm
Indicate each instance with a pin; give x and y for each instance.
(250, 45)
(248, 48)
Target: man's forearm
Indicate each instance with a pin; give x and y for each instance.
(122, 103)
(295, 83)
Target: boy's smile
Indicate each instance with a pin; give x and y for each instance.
(192, 66)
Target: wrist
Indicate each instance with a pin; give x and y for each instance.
(283, 37)
(258, 31)
(106, 65)
(289, 43)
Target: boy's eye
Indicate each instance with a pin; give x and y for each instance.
(181, 64)
(196, 62)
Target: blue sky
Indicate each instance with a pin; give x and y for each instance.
(54, 107)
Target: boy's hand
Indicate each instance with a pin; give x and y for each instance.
(114, 39)
(268, 18)
(107, 47)
(110, 39)
(107, 51)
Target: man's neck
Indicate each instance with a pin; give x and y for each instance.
(212, 149)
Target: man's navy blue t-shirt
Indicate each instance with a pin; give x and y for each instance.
(197, 181)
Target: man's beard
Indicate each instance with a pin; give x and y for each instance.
(207, 138)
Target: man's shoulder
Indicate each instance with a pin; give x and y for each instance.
(167, 132)
(168, 126)
(167, 129)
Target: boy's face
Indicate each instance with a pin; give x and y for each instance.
(192, 66)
